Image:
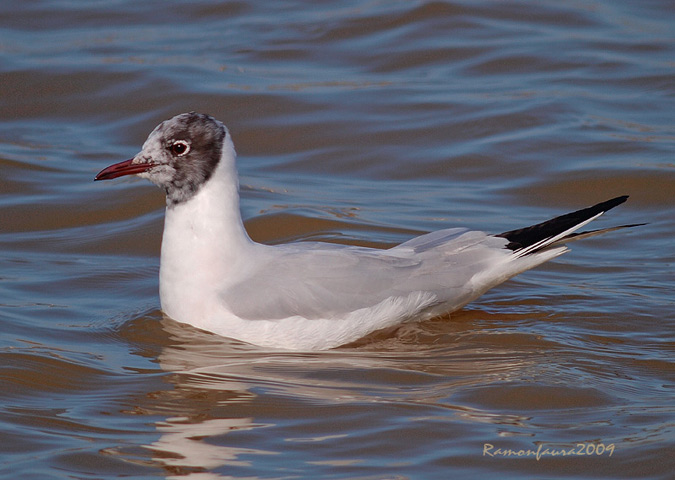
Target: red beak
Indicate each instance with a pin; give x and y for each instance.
(121, 169)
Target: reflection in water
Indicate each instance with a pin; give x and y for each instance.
(215, 380)
(181, 444)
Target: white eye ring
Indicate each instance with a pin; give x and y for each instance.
(180, 148)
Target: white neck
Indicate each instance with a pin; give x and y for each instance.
(204, 238)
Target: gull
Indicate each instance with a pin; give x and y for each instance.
(310, 295)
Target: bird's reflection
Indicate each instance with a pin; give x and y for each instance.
(220, 386)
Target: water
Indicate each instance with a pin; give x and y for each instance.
(355, 122)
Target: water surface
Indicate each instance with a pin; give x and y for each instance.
(355, 122)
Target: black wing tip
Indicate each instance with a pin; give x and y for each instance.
(609, 204)
(525, 237)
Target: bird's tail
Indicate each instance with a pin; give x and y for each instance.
(559, 230)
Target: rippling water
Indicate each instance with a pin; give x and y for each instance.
(355, 122)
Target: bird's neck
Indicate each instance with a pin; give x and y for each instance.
(204, 238)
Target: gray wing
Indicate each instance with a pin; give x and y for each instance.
(319, 280)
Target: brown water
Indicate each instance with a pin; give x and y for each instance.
(356, 122)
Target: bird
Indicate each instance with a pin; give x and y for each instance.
(308, 296)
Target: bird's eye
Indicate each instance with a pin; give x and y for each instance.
(180, 148)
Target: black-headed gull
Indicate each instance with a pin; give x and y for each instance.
(310, 296)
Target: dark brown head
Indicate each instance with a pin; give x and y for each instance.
(179, 156)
